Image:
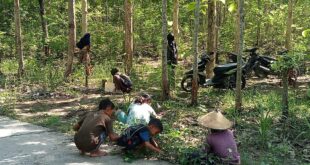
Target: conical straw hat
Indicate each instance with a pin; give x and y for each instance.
(215, 120)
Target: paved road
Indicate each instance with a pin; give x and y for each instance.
(24, 143)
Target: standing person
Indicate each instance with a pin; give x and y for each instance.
(220, 143)
(93, 129)
(172, 58)
(121, 81)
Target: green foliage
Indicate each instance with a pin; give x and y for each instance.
(306, 33)
(50, 76)
(265, 123)
(288, 61)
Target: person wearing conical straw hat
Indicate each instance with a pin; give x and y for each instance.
(220, 143)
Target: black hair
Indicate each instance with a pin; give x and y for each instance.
(84, 41)
(141, 99)
(114, 71)
(157, 123)
(105, 103)
(216, 130)
(170, 37)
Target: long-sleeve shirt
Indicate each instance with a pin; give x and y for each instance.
(223, 145)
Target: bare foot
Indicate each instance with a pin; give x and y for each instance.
(98, 153)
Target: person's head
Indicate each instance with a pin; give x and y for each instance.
(114, 71)
(155, 126)
(170, 37)
(146, 98)
(143, 98)
(87, 35)
(107, 106)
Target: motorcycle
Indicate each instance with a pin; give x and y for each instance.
(261, 65)
(224, 76)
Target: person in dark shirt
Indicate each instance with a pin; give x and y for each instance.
(84, 42)
(93, 129)
(141, 135)
(84, 46)
(172, 58)
(121, 81)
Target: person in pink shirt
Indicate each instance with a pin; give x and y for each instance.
(220, 146)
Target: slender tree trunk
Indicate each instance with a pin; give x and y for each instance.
(289, 23)
(71, 38)
(217, 28)
(237, 34)
(258, 33)
(84, 16)
(85, 52)
(176, 20)
(18, 39)
(211, 44)
(128, 36)
(288, 46)
(165, 85)
(267, 25)
(44, 28)
(239, 58)
(285, 107)
(195, 51)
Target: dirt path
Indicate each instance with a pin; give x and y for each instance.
(24, 143)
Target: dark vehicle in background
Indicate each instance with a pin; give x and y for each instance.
(260, 65)
(224, 75)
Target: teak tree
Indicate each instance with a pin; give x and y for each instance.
(85, 52)
(176, 20)
(211, 40)
(18, 39)
(195, 52)
(44, 28)
(240, 28)
(165, 83)
(284, 72)
(71, 37)
(128, 35)
(84, 16)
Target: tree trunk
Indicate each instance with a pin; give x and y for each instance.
(85, 52)
(44, 28)
(176, 20)
(211, 45)
(258, 33)
(128, 36)
(217, 28)
(289, 23)
(239, 58)
(237, 34)
(165, 85)
(288, 38)
(84, 16)
(18, 39)
(195, 64)
(72, 37)
(285, 107)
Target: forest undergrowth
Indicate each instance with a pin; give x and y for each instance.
(43, 98)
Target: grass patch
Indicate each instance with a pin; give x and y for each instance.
(261, 138)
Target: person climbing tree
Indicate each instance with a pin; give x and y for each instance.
(172, 58)
(84, 46)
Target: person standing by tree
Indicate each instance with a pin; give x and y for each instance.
(172, 58)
